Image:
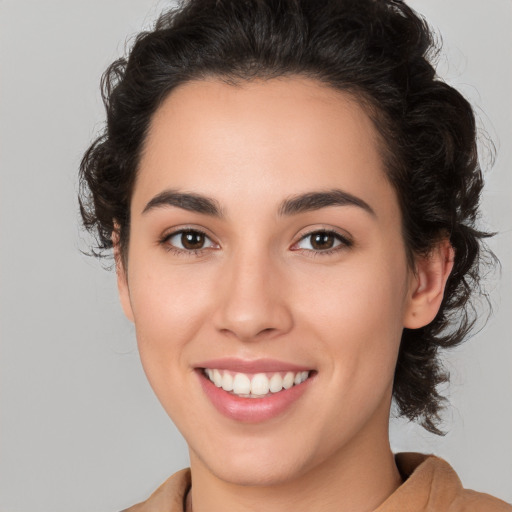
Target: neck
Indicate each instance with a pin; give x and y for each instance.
(357, 479)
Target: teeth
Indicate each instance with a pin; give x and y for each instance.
(276, 383)
(260, 385)
(300, 377)
(227, 381)
(288, 380)
(217, 378)
(241, 384)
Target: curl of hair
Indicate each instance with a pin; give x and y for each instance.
(381, 52)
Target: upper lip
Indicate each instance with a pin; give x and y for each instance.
(251, 365)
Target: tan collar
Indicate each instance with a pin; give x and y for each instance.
(430, 485)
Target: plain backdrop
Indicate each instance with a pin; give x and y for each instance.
(80, 429)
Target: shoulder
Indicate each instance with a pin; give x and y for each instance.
(169, 496)
(431, 484)
(472, 501)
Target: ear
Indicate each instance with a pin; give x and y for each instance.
(427, 285)
(122, 277)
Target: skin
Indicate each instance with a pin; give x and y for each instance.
(259, 289)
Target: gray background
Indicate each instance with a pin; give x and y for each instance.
(80, 429)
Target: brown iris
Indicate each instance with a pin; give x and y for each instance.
(322, 241)
(192, 240)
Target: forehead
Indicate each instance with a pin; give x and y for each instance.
(261, 139)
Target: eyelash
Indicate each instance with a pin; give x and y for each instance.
(345, 243)
(182, 252)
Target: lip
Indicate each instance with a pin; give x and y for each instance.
(252, 410)
(251, 366)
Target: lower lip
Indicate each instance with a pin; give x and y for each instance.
(252, 410)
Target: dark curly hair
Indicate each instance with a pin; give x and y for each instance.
(381, 52)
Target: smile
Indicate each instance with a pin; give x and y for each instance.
(257, 385)
(254, 391)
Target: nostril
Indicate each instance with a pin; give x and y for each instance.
(267, 330)
(239, 333)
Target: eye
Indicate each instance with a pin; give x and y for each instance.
(188, 240)
(325, 241)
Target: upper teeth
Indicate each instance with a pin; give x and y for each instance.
(258, 385)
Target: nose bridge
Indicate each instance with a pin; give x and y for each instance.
(253, 302)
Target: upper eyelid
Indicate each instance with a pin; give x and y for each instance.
(166, 236)
(168, 233)
(172, 234)
(343, 237)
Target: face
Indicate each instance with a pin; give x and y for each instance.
(266, 255)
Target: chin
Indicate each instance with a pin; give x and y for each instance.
(259, 463)
(258, 472)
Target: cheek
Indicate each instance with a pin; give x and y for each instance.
(169, 309)
(170, 306)
(357, 314)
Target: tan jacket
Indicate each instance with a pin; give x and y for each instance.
(431, 485)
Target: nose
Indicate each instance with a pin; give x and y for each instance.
(254, 303)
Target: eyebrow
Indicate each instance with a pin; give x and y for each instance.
(187, 201)
(294, 205)
(316, 200)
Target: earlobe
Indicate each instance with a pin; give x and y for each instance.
(122, 278)
(428, 284)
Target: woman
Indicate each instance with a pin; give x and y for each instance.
(290, 194)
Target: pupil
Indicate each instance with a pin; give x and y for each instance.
(322, 241)
(192, 240)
